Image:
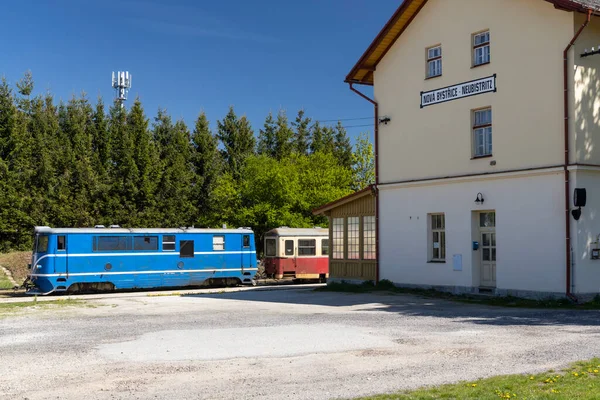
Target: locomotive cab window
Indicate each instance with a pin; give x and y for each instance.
(307, 247)
(271, 248)
(168, 243)
(186, 248)
(218, 243)
(289, 247)
(42, 244)
(246, 241)
(61, 243)
(145, 243)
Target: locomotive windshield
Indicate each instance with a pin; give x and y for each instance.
(42, 244)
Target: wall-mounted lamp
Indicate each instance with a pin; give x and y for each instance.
(479, 200)
(579, 200)
(384, 120)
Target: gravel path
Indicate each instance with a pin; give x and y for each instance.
(284, 344)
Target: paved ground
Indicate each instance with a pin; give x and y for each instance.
(284, 344)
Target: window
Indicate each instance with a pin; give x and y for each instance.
(324, 247)
(487, 220)
(481, 48)
(271, 248)
(218, 243)
(145, 243)
(338, 238)
(438, 237)
(353, 238)
(111, 243)
(482, 132)
(369, 238)
(168, 243)
(307, 247)
(186, 248)
(42, 244)
(289, 247)
(434, 61)
(61, 243)
(246, 241)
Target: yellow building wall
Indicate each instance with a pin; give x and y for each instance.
(527, 41)
(364, 270)
(585, 127)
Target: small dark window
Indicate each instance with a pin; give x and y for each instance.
(168, 243)
(246, 241)
(145, 243)
(270, 250)
(289, 247)
(112, 243)
(186, 248)
(307, 247)
(324, 247)
(61, 243)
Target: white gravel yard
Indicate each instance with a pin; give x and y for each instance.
(284, 344)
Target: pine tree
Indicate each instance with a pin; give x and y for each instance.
(206, 161)
(342, 147)
(328, 140)
(238, 142)
(301, 133)
(316, 143)
(101, 139)
(266, 137)
(8, 117)
(146, 159)
(283, 137)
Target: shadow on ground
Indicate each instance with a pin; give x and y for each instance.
(416, 306)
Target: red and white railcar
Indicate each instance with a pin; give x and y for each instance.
(297, 253)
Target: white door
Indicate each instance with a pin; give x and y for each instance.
(487, 229)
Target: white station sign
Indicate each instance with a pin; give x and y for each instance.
(466, 89)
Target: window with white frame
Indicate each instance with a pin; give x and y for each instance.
(353, 238)
(369, 238)
(482, 132)
(437, 237)
(338, 238)
(481, 48)
(218, 243)
(434, 61)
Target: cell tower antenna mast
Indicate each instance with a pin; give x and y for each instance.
(121, 82)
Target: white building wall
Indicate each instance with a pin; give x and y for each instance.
(529, 227)
(586, 275)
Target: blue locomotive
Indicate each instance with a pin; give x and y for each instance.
(100, 259)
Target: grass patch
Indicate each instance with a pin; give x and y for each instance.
(4, 282)
(15, 307)
(580, 381)
(386, 286)
(16, 262)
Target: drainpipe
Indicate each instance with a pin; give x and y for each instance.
(376, 134)
(566, 163)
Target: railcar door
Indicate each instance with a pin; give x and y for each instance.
(61, 259)
(246, 253)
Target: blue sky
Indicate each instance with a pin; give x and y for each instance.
(188, 55)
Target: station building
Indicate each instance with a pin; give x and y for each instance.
(487, 145)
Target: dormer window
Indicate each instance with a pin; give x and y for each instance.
(481, 48)
(434, 61)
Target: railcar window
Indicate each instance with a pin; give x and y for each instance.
(307, 247)
(246, 241)
(42, 245)
(289, 247)
(145, 243)
(271, 248)
(112, 243)
(324, 247)
(218, 243)
(168, 243)
(61, 243)
(186, 248)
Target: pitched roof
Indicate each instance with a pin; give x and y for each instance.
(346, 199)
(362, 72)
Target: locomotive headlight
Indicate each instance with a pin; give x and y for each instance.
(38, 266)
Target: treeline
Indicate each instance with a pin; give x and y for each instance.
(76, 164)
